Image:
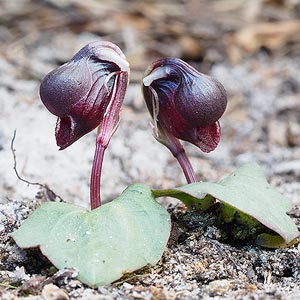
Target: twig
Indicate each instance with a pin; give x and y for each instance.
(7, 285)
(51, 195)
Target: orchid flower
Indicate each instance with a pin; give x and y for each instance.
(184, 104)
(85, 93)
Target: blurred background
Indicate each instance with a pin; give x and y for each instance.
(252, 47)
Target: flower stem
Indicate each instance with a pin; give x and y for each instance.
(106, 130)
(96, 176)
(174, 145)
(186, 166)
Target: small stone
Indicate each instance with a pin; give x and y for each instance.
(20, 274)
(127, 286)
(53, 292)
(278, 133)
(293, 134)
(288, 167)
(219, 287)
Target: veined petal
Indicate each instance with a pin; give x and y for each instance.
(208, 137)
(64, 86)
(81, 121)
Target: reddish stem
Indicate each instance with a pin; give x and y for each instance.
(96, 176)
(185, 164)
(105, 131)
(174, 145)
(186, 167)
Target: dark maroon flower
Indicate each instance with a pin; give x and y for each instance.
(184, 103)
(81, 91)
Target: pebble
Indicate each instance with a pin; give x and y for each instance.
(53, 292)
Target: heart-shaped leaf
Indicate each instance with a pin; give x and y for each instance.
(246, 191)
(120, 236)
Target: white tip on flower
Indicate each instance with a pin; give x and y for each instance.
(111, 55)
(160, 72)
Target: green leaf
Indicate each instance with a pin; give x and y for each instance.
(246, 191)
(270, 240)
(118, 237)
